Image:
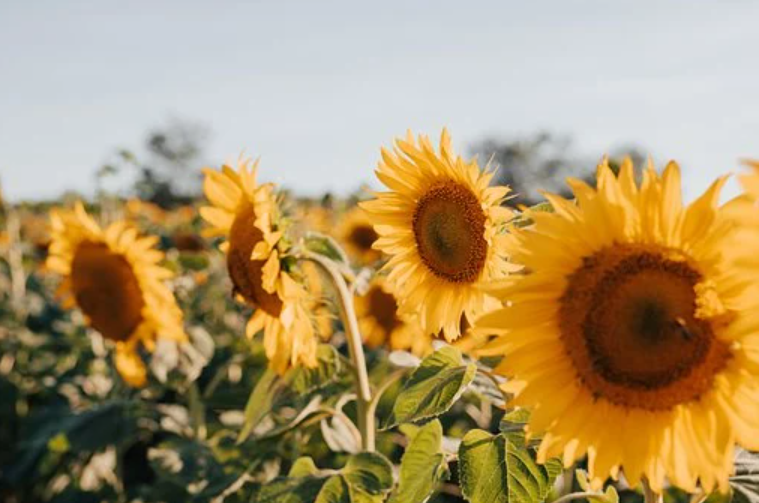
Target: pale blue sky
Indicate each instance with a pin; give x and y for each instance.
(316, 87)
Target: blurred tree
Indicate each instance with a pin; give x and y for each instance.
(167, 168)
(542, 161)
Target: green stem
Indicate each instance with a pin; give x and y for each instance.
(197, 411)
(366, 423)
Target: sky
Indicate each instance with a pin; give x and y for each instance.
(316, 88)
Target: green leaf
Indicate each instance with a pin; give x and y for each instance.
(517, 416)
(369, 471)
(334, 490)
(303, 380)
(366, 478)
(325, 245)
(259, 403)
(433, 387)
(290, 490)
(494, 470)
(512, 425)
(423, 465)
(303, 467)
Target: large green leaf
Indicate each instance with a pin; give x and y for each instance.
(366, 478)
(111, 424)
(270, 389)
(326, 246)
(303, 380)
(494, 470)
(369, 472)
(423, 465)
(433, 387)
(259, 403)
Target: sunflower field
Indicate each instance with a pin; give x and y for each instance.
(431, 341)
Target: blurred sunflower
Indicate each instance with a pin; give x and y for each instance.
(113, 276)
(633, 338)
(440, 224)
(247, 215)
(309, 216)
(382, 325)
(357, 234)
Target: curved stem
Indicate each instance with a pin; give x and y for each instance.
(366, 423)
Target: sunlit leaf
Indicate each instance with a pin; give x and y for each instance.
(423, 465)
(494, 470)
(432, 388)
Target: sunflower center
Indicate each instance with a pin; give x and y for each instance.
(246, 274)
(449, 228)
(363, 237)
(383, 307)
(632, 320)
(107, 290)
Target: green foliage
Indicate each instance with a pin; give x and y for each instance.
(423, 465)
(432, 389)
(495, 469)
(365, 478)
(272, 390)
(325, 245)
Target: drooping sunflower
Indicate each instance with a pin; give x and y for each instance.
(357, 234)
(634, 336)
(247, 215)
(440, 224)
(113, 276)
(382, 325)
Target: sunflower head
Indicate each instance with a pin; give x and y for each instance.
(357, 234)
(113, 276)
(382, 324)
(631, 337)
(441, 224)
(259, 265)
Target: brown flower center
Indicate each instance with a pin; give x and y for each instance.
(246, 274)
(640, 327)
(384, 308)
(106, 290)
(363, 237)
(449, 227)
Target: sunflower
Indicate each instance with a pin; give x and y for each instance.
(633, 338)
(113, 276)
(357, 234)
(247, 215)
(382, 325)
(440, 224)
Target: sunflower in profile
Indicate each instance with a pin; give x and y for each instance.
(247, 215)
(357, 234)
(382, 325)
(113, 276)
(441, 224)
(633, 337)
